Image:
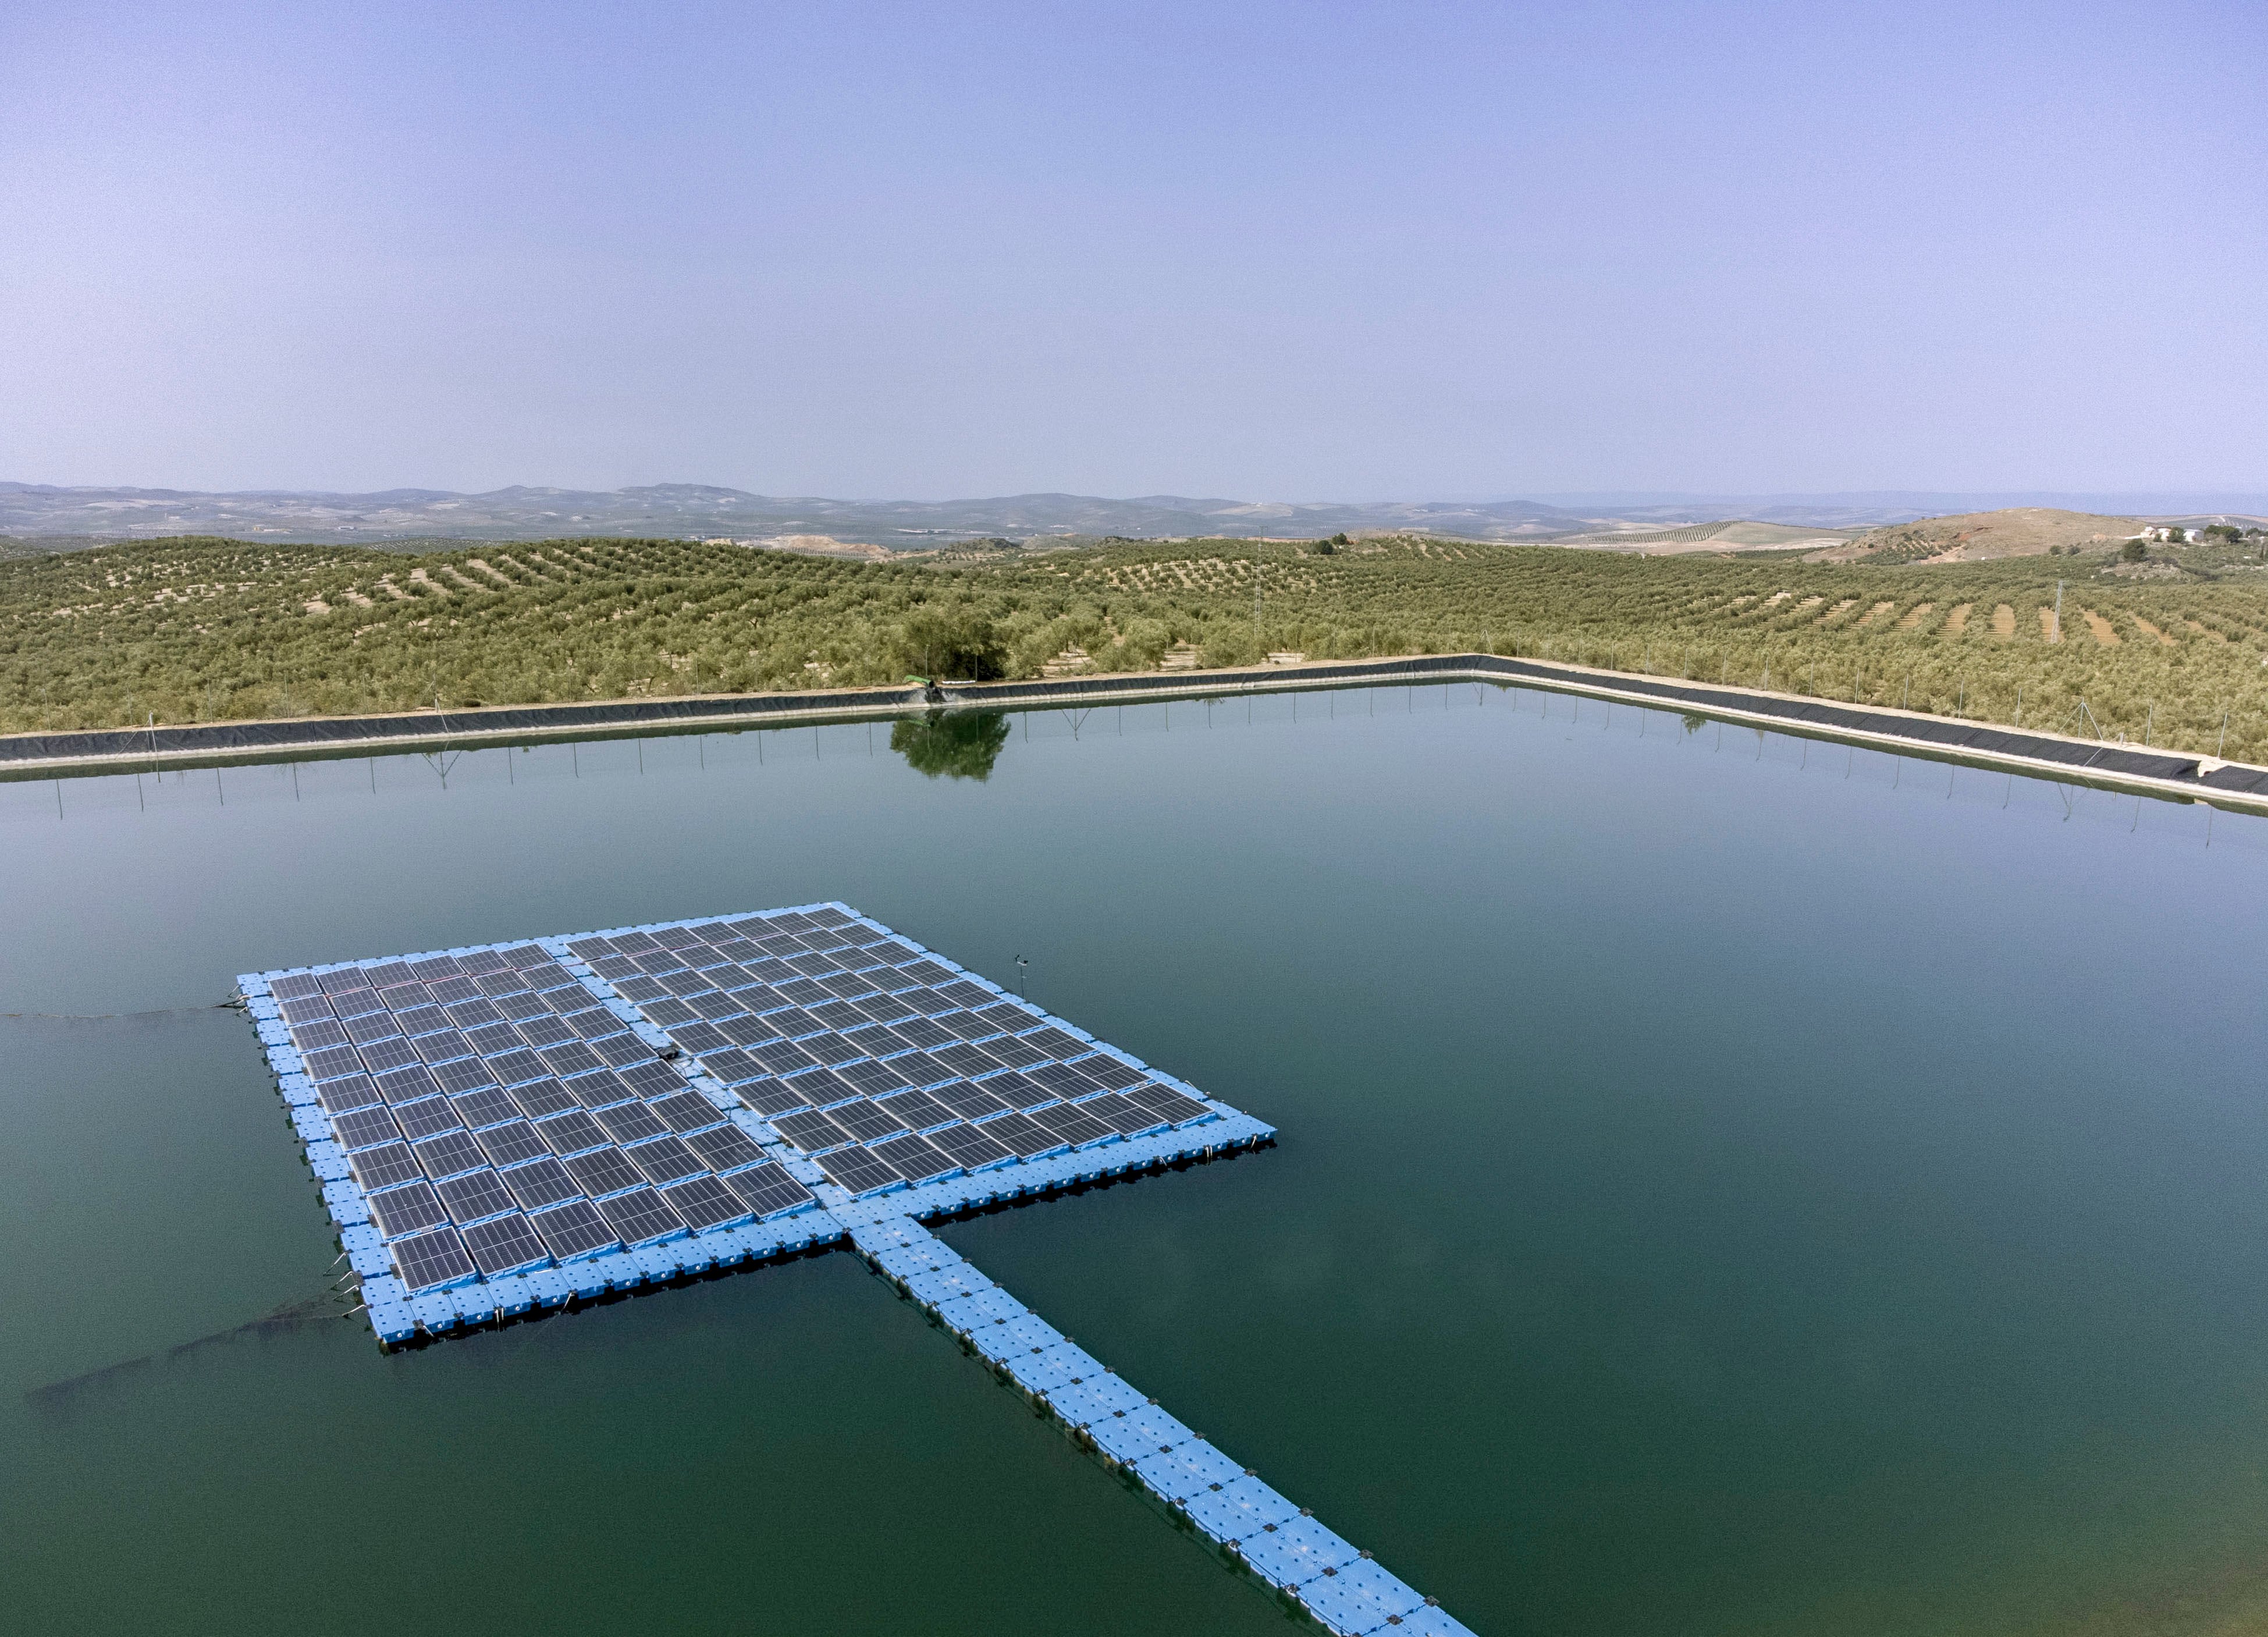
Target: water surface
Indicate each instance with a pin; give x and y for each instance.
(1726, 1184)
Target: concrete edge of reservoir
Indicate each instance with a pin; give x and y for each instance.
(2140, 769)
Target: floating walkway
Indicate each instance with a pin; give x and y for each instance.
(511, 1129)
(1276, 1541)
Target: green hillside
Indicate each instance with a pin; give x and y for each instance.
(205, 630)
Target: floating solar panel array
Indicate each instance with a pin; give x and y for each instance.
(523, 1125)
(520, 1126)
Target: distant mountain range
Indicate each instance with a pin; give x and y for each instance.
(72, 515)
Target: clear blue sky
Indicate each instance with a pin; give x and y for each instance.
(1293, 251)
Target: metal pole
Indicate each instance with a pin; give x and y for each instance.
(2058, 614)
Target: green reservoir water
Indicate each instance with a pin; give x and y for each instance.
(1726, 1185)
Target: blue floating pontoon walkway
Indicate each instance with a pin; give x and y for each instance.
(1275, 1540)
(509, 1129)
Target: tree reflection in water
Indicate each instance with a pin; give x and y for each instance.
(957, 744)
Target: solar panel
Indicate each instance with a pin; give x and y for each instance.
(731, 1066)
(484, 961)
(388, 1165)
(517, 1009)
(421, 1020)
(916, 1159)
(405, 997)
(963, 1025)
(823, 1089)
(640, 989)
(1169, 1105)
(921, 1031)
(1106, 1070)
(725, 1147)
(1062, 1080)
(1025, 1139)
(371, 1027)
(747, 1031)
(498, 985)
(432, 1261)
(885, 1008)
(1072, 1124)
(768, 1097)
(601, 1172)
(631, 1122)
(811, 1131)
(857, 1172)
(1121, 1114)
(914, 1109)
(296, 986)
(963, 1058)
(1056, 1043)
(488, 1035)
(461, 1001)
(1017, 1091)
(866, 1120)
(969, 1148)
(781, 1058)
(1015, 1053)
(704, 1203)
(602, 1090)
(540, 1184)
(875, 1079)
(545, 1031)
(664, 1159)
(574, 1230)
(641, 1217)
(342, 980)
(424, 1119)
(515, 1068)
(443, 1045)
(313, 1036)
(432, 968)
(768, 1190)
(506, 1245)
(669, 1011)
(464, 1074)
(572, 1132)
(511, 1144)
(355, 1091)
(651, 1079)
(405, 1085)
(384, 1057)
(473, 1197)
(400, 1211)
(489, 1106)
(593, 1022)
(331, 1062)
(572, 1058)
(967, 1099)
(622, 1050)
(449, 1153)
(919, 1068)
(306, 1011)
(684, 1111)
(362, 1128)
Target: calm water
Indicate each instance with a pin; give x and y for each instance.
(1725, 1186)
